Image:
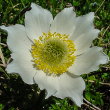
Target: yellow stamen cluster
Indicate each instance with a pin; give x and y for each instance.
(53, 53)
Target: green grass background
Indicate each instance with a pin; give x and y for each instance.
(16, 95)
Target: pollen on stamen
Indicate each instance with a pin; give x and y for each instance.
(53, 53)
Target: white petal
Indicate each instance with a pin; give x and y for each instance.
(89, 61)
(37, 20)
(83, 24)
(71, 87)
(17, 40)
(46, 82)
(61, 86)
(84, 41)
(23, 65)
(64, 22)
(20, 46)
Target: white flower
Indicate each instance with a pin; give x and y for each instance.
(54, 53)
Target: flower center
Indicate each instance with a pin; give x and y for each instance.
(53, 53)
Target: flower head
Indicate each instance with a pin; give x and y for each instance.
(54, 52)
